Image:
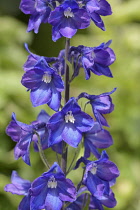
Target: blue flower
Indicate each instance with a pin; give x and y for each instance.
(39, 11)
(99, 175)
(97, 8)
(24, 134)
(51, 189)
(69, 124)
(67, 18)
(93, 59)
(96, 138)
(101, 104)
(45, 85)
(20, 186)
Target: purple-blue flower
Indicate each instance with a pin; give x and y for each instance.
(92, 59)
(69, 124)
(101, 104)
(97, 8)
(96, 138)
(24, 134)
(39, 11)
(45, 85)
(20, 186)
(67, 18)
(51, 189)
(99, 174)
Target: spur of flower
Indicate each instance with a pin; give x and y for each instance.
(51, 189)
(92, 59)
(20, 186)
(67, 18)
(69, 124)
(24, 134)
(101, 104)
(45, 85)
(34, 60)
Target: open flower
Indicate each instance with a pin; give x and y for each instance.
(51, 189)
(20, 186)
(69, 124)
(45, 85)
(67, 18)
(99, 174)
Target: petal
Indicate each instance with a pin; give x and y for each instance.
(107, 170)
(43, 116)
(56, 134)
(55, 100)
(83, 122)
(25, 203)
(52, 201)
(105, 8)
(19, 186)
(42, 95)
(32, 79)
(67, 190)
(71, 135)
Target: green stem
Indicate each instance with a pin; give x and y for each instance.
(41, 152)
(66, 98)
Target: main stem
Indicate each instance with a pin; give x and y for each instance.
(66, 98)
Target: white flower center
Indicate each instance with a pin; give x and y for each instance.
(94, 168)
(68, 13)
(47, 78)
(69, 117)
(52, 183)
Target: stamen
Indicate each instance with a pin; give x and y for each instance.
(69, 117)
(46, 78)
(94, 168)
(52, 183)
(68, 13)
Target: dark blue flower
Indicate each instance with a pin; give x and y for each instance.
(51, 189)
(67, 18)
(97, 8)
(45, 85)
(69, 124)
(101, 104)
(24, 134)
(96, 138)
(99, 175)
(20, 186)
(95, 59)
(39, 11)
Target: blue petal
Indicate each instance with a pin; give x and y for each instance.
(52, 201)
(42, 95)
(25, 203)
(71, 135)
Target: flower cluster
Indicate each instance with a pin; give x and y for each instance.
(48, 80)
(66, 16)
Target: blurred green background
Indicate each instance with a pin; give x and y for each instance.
(123, 27)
